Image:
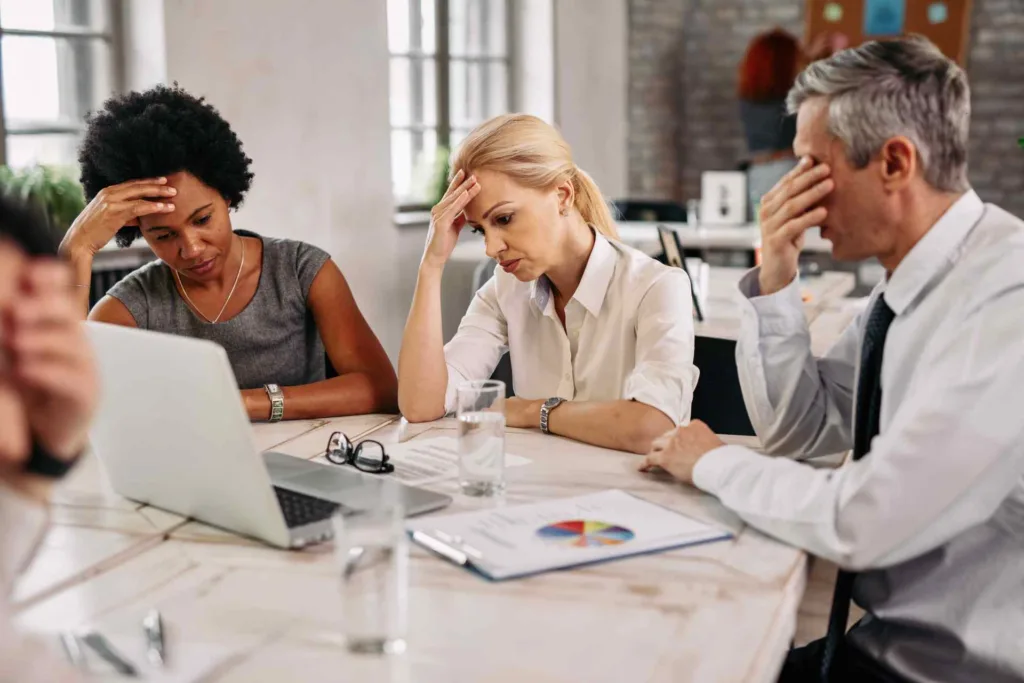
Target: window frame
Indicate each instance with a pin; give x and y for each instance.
(442, 78)
(113, 36)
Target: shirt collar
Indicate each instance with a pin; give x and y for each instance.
(597, 277)
(935, 249)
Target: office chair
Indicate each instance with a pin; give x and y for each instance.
(484, 272)
(718, 399)
(649, 210)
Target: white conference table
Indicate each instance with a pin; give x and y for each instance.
(236, 610)
(94, 529)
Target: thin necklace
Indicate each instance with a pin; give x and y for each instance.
(230, 294)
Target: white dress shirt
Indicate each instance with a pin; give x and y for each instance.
(933, 515)
(628, 334)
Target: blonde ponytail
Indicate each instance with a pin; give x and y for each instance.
(533, 153)
(592, 205)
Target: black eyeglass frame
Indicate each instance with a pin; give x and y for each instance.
(348, 454)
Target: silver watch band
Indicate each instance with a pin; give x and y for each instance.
(545, 412)
(276, 397)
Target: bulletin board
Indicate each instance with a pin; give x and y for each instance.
(945, 22)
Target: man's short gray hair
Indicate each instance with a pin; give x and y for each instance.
(884, 89)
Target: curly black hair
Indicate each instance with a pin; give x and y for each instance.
(156, 133)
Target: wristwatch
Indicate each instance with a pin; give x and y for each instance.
(276, 397)
(545, 411)
(44, 463)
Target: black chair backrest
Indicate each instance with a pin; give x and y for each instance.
(504, 373)
(718, 399)
(103, 280)
(649, 210)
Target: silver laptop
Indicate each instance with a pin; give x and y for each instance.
(171, 431)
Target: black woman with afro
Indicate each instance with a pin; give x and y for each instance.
(164, 166)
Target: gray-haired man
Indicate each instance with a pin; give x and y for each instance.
(927, 517)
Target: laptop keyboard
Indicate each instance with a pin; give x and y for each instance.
(300, 509)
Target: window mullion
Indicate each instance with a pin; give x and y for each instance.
(3, 114)
(511, 79)
(443, 63)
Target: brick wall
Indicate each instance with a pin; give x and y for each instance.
(683, 56)
(656, 36)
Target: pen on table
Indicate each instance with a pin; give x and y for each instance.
(452, 547)
(69, 641)
(101, 646)
(153, 626)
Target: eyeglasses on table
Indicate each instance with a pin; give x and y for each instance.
(365, 456)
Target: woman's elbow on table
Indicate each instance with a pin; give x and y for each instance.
(418, 412)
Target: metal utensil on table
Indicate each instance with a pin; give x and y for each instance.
(72, 649)
(153, 627)
(99, 643)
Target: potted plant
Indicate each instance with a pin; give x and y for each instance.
(53, 189)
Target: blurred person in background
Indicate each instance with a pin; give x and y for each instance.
(767, 72)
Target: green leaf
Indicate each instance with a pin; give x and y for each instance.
(53, 189)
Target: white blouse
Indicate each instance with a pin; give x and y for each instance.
(628, 335)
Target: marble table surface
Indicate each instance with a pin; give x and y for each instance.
(239, 611)
(236, 610)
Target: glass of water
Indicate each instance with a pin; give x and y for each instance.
(480, 410)
(372, 549)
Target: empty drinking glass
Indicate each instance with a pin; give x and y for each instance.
(373, 554)
(480, 410)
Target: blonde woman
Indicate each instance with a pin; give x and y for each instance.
(599, 335)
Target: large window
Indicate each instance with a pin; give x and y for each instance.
(58, 63)
(450, 70)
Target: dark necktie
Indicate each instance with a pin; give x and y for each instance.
(865, 428)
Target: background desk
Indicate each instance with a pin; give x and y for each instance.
(721, 310)
(643, 235)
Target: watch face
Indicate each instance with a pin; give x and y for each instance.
(552, 402)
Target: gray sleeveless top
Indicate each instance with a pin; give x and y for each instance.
(273, 340)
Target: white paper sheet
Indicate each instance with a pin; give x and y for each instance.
(426, 461)
(524, 539)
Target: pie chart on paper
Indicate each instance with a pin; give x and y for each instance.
(584, 533)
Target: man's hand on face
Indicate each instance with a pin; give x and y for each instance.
(48, 382)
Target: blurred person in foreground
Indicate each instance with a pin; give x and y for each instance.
(47, 396)
(926, 519)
